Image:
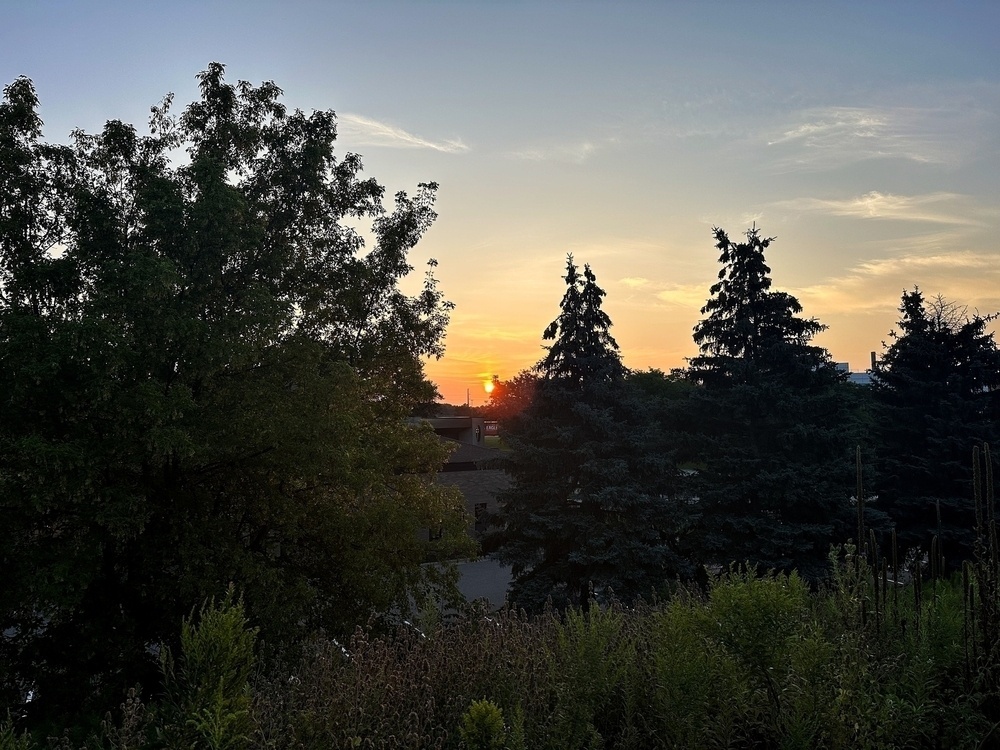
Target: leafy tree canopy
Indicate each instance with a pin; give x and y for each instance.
(205, 374)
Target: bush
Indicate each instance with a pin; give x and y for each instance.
(207, 689)
(482, 727)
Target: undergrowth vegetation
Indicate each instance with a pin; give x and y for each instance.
(754, 661)
(887, 654)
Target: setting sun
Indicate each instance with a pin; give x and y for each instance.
(488, 386)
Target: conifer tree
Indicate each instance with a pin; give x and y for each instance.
(752, 333)
(590, 508)
(937, 389)
(774, 423)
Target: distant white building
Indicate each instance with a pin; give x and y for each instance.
(858, 378)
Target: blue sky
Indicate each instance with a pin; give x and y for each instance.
(864, 136)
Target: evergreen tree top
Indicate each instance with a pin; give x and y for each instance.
(583, 349)
(939, 344)
(749, 329)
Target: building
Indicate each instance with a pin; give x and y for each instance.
(858, 378)
(473, 468)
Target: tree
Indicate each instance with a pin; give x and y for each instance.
(511, 397)
(752, 334)
(937, 390)
(590, 507)
(776, 428)
(205, 380)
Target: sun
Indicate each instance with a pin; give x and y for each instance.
(488, 386)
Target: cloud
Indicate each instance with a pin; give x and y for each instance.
(634, 282)
(941, 207)
(573, 153)
(368, 132)
(688, 296)
(834, 125)
(875, 285)
(829, 136)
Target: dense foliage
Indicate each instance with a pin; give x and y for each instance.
(938, 391)
(205, 376)
(758, 661)
(591, 506)
(774, 428)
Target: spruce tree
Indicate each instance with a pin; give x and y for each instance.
(774, 425)
(937, 393)
(751, 333)
(591, 507)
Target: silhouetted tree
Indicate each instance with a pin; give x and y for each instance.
(937, 390)
(591, 506)
(751, 333)
(510, 397)
(204, 380)
(776, 427)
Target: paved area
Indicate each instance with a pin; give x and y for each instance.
(484, 578)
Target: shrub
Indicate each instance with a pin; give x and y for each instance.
(207, 689)
(482, 726)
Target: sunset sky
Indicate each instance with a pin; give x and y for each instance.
(864, 136)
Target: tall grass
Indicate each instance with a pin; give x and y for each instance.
(892, 653)
(756, 661)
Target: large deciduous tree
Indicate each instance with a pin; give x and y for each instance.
(590, 507)
(204, 380)
(776, 426)
(938, 390)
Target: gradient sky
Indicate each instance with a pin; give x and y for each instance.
(864, 136)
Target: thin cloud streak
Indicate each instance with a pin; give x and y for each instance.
(573, 153)
(569, 151)
(634, 282)
(876, 205)
(369, 132)
(688, 296)
(876, 285)
(834, 125)
(832, 136)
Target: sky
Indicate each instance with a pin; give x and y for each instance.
(863, 136)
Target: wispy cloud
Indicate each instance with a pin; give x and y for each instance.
(940, 207)
(634, 282)
(830, 136)
(573, 153)
(687, 296)
(366, 131)
(939, 263)
(832, 125)
(875, 285)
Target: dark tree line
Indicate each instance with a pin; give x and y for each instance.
(937, 394)
(628, 481)
(205, 375)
